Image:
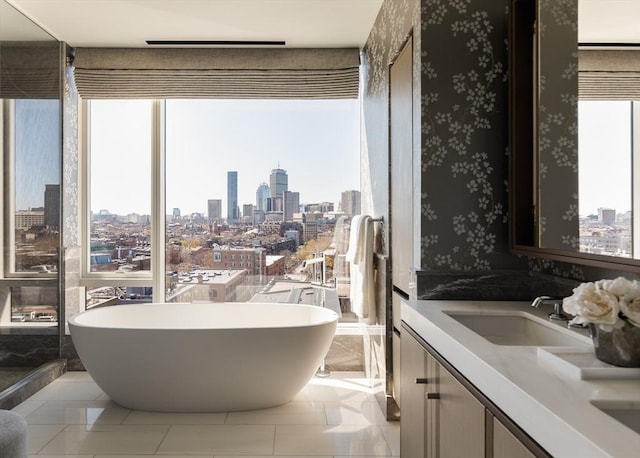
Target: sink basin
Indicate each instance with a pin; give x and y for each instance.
(519, 329)
(627, 413)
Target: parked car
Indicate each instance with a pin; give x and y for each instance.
(46, 317)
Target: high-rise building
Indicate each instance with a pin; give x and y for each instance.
(291, 204)
(278, 182)
(52, 205)
(262, 194)
(232, 197)
(214, 210)
(247, 213)
(176, 213)
(606, 215)
(320, 207)
(350, 202)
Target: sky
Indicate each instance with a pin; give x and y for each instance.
(316, 142)
(604, 145)
(37, 159)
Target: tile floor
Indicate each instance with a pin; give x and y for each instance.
(331, 417)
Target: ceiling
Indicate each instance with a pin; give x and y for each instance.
(129, 23)
(300, 23)
(609, 21)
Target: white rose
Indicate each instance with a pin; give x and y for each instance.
(590, 303)
(618, 287)
(630, 304)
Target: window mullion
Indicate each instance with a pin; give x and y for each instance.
(158, 201)
(635, 179)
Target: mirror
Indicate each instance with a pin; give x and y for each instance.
(572, 119)
(31, 151)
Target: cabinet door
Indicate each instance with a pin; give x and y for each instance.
(460, 419)
(413, 373)
(506, 445)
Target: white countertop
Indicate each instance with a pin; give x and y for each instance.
(553, 408)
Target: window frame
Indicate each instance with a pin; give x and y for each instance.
(153, 277)
(634, 140)
(8, 274)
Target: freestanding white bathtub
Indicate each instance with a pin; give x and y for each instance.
(202, 357)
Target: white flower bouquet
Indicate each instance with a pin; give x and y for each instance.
(609, 304)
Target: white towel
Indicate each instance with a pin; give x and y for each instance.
(360, 256)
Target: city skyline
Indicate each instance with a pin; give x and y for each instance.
(36, 167)
(316, 141)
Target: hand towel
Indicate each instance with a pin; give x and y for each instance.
(360, 255)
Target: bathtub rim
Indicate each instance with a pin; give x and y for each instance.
(331, 317)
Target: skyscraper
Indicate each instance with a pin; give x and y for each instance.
(232, 197)
(350, 202)
(214, 210)
(247, 213)
(52, 205)
(262, 194)
(278, 182)
(291, 204)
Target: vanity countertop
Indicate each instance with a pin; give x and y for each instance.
(554, 408)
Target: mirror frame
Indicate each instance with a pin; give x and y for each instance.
(522, 147)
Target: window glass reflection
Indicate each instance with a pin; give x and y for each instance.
(37, 185)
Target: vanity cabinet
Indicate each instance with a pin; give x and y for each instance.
(506, 445)
(444, 416)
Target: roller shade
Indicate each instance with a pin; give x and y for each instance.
(216, 73)
(609, 74)
(29, 70)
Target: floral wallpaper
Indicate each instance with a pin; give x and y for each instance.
(74, 294)
(460, 130)
(464, 136)
(557, 125)
(397, 20)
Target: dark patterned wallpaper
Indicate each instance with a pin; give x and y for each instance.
(461, 89)
(464, 136)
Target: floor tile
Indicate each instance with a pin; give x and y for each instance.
(337, 390)
(292, 413)
(268, 456)
(366, 413)
(348, 440)
(28, 406)
(334, 417)
(77, 413)
(139, 417)
(40, 435)
(107, 439)
(163, 456)
(391, 433)
(219, 439)
(77, 391)
(74, 456)
(75, 376)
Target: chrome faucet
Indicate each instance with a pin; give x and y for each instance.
(557, 307)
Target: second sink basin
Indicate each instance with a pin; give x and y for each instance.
(519, 328)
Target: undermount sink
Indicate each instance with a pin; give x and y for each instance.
(519, 328)
(627, 413)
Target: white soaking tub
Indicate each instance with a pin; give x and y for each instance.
(202, 357)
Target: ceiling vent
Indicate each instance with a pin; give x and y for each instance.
(215, 43)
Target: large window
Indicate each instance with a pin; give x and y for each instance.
(609, 146)
(120, 146)
(32, 191)
(243, 195)
(30, 212)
